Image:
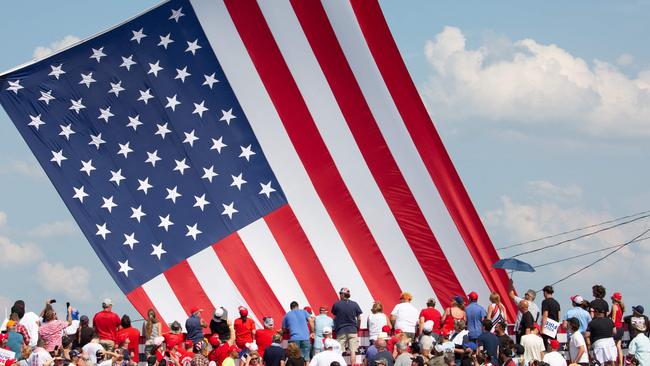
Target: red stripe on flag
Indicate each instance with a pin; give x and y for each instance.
(311, 149)
(301, 257)
(375, 151)
(428, 143)
(142, 304)
(248, 279)
(188, 290)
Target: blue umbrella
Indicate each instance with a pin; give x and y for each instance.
(513, 264)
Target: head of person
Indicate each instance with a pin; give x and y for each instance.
(214, 341)
(414, 348)
(406, 297)
(530, 295)
(523, 306)
(125, 322)
(84, 321)
(417, 361)
(500, 328)
(188, 345)
(196, 311)
(598, 291)
(487, 325)
(335, 363)
(175, 327)
(637, 310)
(122, 340)
(344, 293)
(151, 315)
(380, 343)
(11, 325)
(548, 291)
(218, 314)
(617, 298)
(243, 312)
(19, 308)
(554, 344)
(444, 334)
(277, 338)
(506, 351)
(431, 302)
(534, 329)
(495, 298)
(458, 302)
(427, 327)
(309, 310)
(107, 304)
(14, 317)
(381, 361)
(450, 360)
(294, 305)
(268, 323)
(49, 315)
(293, 351)
(577, 300)
(377, 307)
(327, 332)
(459, 325)
(322, 309)
(401, 347)
(329, 343)
(574, 324)
(472, 296)
(233, 351)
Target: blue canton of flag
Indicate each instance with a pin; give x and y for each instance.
(145, 141)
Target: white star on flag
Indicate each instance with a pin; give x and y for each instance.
(56, 71)
(124, 267)
(227, 116)
(116, 177)
(127, 62)
(246, 152)
(125, 149)
(58, 157)
(229, 209)
(97, 54)
(144, 185)
(267, 189)
(137, 213)
(210, 80)
(87, 79)
(105, 114)
(87, 166)
(172, 194)
(145, 96)
(165, 41)
(193, 231)
(158, 250)
(14, 86)
(177, 14)
(79, 193)
(208, 173)
(162, 130)
(116, 88)
(218, 144)
(46, 97)
(152, 158)
(200, 202)
(154, 68)
(181, 166)
(138, 35)
(190, 138)
(172, 102)
(36, 121)
(109, 204)
(165, 222)
(199, 108)
(237, 181)
(66, 131)
(77, 105)
(96, 140)
(130, 240)
(193, 46)
(182, 74)
(134, 122)
(102, 231)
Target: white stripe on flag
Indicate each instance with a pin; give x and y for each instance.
(268, 257)
(350, 163)
(164, 300)
(215, 281)
(399, 141)
(282, 157)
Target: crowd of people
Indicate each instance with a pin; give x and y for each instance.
(465, 333)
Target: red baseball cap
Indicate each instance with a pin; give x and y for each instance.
(188, 344)
(171, 342)
(536, 326)
(121, 338)
(234, 348)
(195, 309)
(308, 309)
(243, 311)
(385, 328)
(214, 340)
(617, 296)
(472, 296)
(555, 344)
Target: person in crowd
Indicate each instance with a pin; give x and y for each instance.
(20, 328)
(175, 334)
(186, 352)
(578, 312)
(124, 350)
(488, 342)
(297, 323)
(618, 308)
(418, 361)
(526, 321)
(554, 357)
(15, 340)
(639, 346)
(533, 344)
(264, 336)
(376, 320)
(233, 353)
(151, 329)
(132, 334)
(52, 329)
(106, 323)
(194, 325)
(496, 311)
(500, 332)
(577, 346)
(40, 356)
(223, 350)
(382, 354)
(550, 310)
(244, 328)
(403, 356)
(328, 356)
(220, 324)
(91, 348)
(274, 354)
(455, 312)
(427, 340)
(84, 333)
(506, 354)
(637, 322)
(294, 355)
(600, 335)
(321, 322)
(200, 351)
(430, 313)
(405, 316)
(347, 320)
(475, 315)
(29, 320)
(529, 297)
(599, 292)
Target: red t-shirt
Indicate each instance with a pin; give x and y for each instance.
(434, 315)
(264, 338)
(178, 338)
(134, 340)
(243, 331)
(222, 353)
(106, 323)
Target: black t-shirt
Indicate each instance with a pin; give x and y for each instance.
(526, 322)
(599, 304)
(490, 344)
(504, 340)
(273, 355)
(294, 361)
(600, 328)
(553, 307)
(221, 328)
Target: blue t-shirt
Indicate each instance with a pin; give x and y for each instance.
(296, 322)
(14, 343)
(346, 313)
(475, 315)
(273, 354)
(581, 314)
(194, 329)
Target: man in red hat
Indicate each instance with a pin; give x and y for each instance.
(244, 328)
(554, 358)
(475, 315)
(194, 325)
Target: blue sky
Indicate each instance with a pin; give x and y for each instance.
(544, 108)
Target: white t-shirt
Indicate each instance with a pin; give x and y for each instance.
(406, 317)
(325, 358)
(533, 347)
(91, 349)
(375, 323)
(39, 357)
(30, 321)
(577, 340)
(554, 359)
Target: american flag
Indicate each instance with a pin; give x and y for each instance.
(227, 153)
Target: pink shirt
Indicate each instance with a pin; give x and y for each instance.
(52, 333)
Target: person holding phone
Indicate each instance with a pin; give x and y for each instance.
(51, 331)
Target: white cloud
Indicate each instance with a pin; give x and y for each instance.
(43, 51)
(625, 59)
(18, 254)
(3, 218)
(57, 228)
(531, 83)
(29, 169)
(69, 280)
(548, 189)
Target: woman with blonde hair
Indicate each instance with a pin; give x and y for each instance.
(376, 321)
(151, 329)
(294, 357)
(496, 312)
(455, 312)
